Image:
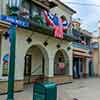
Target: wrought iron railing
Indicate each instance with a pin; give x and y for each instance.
(81, 46)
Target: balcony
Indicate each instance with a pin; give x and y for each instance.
(95, 45)
(80, 46)
(34, 16)
(38, 24)
(47, 30)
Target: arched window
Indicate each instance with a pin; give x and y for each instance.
(61, 63)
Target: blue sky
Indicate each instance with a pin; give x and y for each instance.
(89, 15)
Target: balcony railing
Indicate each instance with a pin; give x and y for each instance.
(81, 46)
(39, 26)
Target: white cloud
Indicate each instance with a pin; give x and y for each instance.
(90, 15)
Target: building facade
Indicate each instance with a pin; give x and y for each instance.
(96, 53)
(40, 53)
(82, 53)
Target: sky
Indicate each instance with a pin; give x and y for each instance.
(89, 15)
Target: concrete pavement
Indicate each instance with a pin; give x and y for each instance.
(84, 89)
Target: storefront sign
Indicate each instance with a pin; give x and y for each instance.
(13, 20)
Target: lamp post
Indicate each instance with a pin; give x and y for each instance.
(14, 7)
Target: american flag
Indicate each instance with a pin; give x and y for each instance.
(59, 24)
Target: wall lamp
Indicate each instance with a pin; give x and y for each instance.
(58, 45)
(29, 39)
(45, 43)
(6, 35)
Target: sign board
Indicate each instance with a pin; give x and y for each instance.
(15, 21)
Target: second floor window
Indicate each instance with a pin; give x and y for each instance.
(26, 7)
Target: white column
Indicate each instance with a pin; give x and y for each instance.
(19, 68)
(51, 67)
(87, 66)
(70, 68)
(70, 54)
(79, 67)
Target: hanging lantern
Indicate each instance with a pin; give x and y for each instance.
(6, 35)
(29, 40)
(45, 43)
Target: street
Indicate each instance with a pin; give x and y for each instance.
(84, 89)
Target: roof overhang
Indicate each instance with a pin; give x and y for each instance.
(46, 4)
(86, 33)
(61, 4)
(3, 26)
(80, 54)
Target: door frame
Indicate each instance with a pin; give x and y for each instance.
(29, 68)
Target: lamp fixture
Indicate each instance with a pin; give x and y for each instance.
(14, 6)
(68, 48)
(29, 40)
(58, 45)
(14, 3)
(6, 35)
(45, 43)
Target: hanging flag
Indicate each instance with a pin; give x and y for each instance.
(66, 23)
(59, 24)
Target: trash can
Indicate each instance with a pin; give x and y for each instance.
(45, 91)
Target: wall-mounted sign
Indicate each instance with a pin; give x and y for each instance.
(15, 21)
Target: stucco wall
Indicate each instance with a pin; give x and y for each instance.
(60, 12)
(37, 39)
(95, 61)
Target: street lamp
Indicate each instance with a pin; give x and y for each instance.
(14, 7)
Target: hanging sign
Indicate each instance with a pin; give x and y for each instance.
(15, 21)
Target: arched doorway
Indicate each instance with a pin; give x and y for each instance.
(61, 63)
(36, 61)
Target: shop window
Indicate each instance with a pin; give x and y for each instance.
(32, 11)
(5, 69)
(37, 14)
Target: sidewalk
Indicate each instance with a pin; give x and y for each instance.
(88, 89)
